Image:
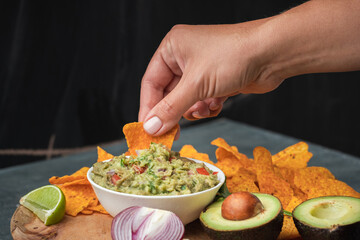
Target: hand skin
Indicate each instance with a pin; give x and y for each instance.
(196, 68)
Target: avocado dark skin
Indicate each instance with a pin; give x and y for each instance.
(347, 232)
(268, 231)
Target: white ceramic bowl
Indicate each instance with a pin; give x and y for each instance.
(187, 207)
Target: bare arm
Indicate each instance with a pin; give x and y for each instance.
(196, 68)
(317, 36)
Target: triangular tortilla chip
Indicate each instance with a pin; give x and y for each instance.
(244, 160)
(138, 139)
(103, 155)
(190, 152)
(295, 156)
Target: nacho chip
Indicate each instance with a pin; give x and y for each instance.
(87, 212)
(103, 155)
(288, 175)
(294, 202)
(80, 174)
(244, 160)
(228, 166)
(78, 182)
(295, 160)
(272, 184)
(307, 178)
(244, 180)
(268, 181)
(295, 156)
(299, 193)
(222, 154)
(79, 195)
(289, 230)
(78, 198)
(64, 179)
(285, 173)
(263, 160)
(319, 181)
(98, 208)
(331, 187)
(243, 185)
(245, 173)
(138, 139)
(313, 173)
(189, 151)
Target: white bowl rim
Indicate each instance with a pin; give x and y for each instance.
(220, 174)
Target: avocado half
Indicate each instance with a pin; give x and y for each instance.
(266, 225)
(330, 217)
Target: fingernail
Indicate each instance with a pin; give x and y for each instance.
(213, 106)
(196, 115)
(152, 125)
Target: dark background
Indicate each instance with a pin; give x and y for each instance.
(70, 74)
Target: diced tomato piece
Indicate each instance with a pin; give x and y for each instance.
(115, 178)
(139, 170)
(171, 158)
(214, 173)
(202, 171)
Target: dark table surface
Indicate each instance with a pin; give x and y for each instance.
(19, 180)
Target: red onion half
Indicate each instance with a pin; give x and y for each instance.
(142, 223)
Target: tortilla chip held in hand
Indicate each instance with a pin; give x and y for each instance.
(138, 139)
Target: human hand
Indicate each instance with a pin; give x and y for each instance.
(196, 68)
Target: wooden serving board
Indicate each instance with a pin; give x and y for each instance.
(26, 226)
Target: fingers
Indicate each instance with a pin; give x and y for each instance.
(161, 76)
(203, 109)
(167, 112)
(199, 110)
(155, 80)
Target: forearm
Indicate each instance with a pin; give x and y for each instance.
(197, 63)
(317, 36)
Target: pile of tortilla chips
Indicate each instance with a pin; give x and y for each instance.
(284, 175)
(80, 197)
(78, 192)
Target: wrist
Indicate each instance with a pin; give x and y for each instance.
(317, 36)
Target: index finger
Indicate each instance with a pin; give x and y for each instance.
(157, 76)
(161, 71)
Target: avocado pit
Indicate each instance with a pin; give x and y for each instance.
(241, 206)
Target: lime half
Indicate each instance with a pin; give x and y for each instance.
(47, 202)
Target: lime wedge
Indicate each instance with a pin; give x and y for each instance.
(47, 202)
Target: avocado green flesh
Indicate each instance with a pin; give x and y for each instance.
(327, 212)
(213, 219)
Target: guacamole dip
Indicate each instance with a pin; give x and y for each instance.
(155, 171)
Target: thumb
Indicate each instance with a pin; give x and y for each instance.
(167, 113)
